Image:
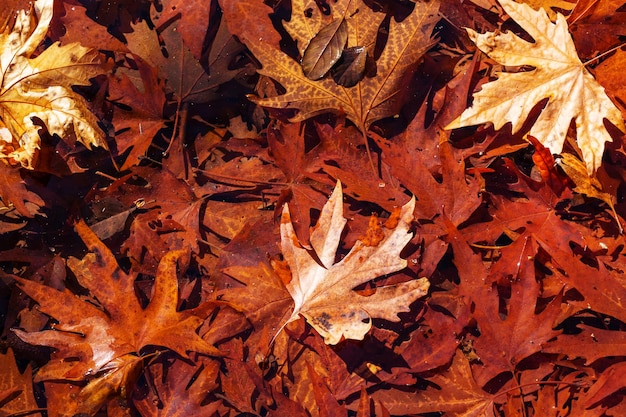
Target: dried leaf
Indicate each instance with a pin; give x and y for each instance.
(322, 290)
(13, 192)
(458, 394)
(16, 388)
(371, 99)
(325, 49)
(559, 76)
(552, 7)
(41, 87)
(586, 184)
(351, 67)
(546, 165)
(89, 340)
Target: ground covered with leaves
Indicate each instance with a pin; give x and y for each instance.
(309, 208)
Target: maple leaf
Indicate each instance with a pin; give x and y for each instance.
(135, 128)
(597, 25)
(16, 388)
(322, 291)
(369, 100)
(14, 192)
(453, 390)
(89, 339)
(40, 87)
(559, 76)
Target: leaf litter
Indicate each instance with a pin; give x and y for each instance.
(422, 219)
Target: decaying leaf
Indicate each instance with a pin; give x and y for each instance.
(322, 290)
(369, 100)
(40, 88)
(559, 76)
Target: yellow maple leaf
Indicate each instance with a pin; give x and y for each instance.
(559, 76)
(323, 290)
(40, 87)
(371, 99)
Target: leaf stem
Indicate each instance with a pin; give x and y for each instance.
(603, 54)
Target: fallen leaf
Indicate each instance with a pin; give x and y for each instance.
(137, 116)
(326, 402)
(41, 87)
(586, 184)
(80, 28)
(559, 76)
(609, 74)
(546, 165)
(90, 339)
(116, 378)
(181, 388)
(511, 330)
(16, 388)
(597, 25)
(607, 384)
(552, 7)
(350, 69)
(15, 194)
(369, 100)
(325, 49)
(453, 390)
(322, 290)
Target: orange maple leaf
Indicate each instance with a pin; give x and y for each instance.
(91, 339)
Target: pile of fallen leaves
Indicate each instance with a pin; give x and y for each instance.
(312, 208)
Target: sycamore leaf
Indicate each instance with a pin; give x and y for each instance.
(322, 291)
(40, 87)
(371, 99)
(90, 339)
(559, 76)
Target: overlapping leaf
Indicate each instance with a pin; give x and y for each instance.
(559, 76)
(322, 290)
(90, 339)
(39, 87)
(372, 98)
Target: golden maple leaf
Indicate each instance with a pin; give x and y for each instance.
(40, 87)
(322, 291)
(371, 99)
(559, 76)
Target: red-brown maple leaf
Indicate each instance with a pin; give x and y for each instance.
(93, 333)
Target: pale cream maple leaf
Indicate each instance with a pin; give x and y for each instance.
(323, 290)
(41, 87)
(559, 76)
